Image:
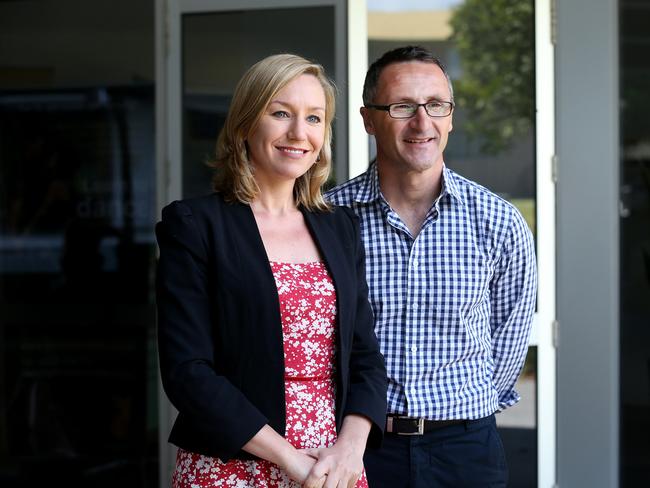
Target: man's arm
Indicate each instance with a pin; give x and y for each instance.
(513, 295)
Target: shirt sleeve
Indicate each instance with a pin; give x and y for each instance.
(513, 294)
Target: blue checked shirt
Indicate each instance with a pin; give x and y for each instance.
(454, 305)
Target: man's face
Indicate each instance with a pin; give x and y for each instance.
(414, 144)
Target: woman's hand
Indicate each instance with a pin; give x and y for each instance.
(338, 466)
(342, 464)
(298, 465)
(268, 444)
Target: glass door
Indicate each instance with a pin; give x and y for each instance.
(204, 46)
(500, 60)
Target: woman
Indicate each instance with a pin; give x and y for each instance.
(266, 337)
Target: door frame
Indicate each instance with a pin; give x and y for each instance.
(545, 325)
(350, 48)
(351, 55)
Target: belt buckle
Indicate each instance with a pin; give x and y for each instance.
(420, 430)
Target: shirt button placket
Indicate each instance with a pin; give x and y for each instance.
(413, 299)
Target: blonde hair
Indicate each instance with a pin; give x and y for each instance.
(234, 176)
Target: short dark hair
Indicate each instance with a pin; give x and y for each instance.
(399, 55)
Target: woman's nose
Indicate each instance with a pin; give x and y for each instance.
(297, 130)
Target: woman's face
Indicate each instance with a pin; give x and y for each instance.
(289, 136)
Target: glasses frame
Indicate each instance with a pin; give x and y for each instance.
(387, 108)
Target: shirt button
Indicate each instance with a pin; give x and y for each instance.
(413, 390)
(415, 306)
(416, 263)
(414, 348)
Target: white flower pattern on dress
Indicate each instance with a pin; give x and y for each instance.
(308, 313)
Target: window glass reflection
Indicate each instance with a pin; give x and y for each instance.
(210, 72)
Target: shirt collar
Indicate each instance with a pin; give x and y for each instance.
(450, 184)
(369, 188)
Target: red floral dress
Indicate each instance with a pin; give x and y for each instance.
(308, 313)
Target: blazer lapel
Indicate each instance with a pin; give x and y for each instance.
(333, 252)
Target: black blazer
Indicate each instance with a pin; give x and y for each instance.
(219, 330)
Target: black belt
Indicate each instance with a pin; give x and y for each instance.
(397, 424)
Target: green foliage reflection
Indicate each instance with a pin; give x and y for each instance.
(495, 41)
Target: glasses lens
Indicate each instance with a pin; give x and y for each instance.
(438, 109)
(402, 110)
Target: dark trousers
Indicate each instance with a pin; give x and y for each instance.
(465, 455)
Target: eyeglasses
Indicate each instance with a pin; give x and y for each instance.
(406, 110)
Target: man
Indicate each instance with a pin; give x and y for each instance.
(452, 276)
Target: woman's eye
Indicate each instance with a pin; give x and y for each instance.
(314, 119)
(281, 114)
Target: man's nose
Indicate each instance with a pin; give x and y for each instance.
(420, 118)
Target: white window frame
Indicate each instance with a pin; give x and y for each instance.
(544, 330)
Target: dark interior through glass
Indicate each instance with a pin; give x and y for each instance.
(634, 38)
(78, 375)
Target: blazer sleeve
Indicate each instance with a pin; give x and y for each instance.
(214, 410)
(368, 381)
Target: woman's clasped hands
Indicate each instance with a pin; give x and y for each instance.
(341, 465)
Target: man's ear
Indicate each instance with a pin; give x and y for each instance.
(367, 122)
